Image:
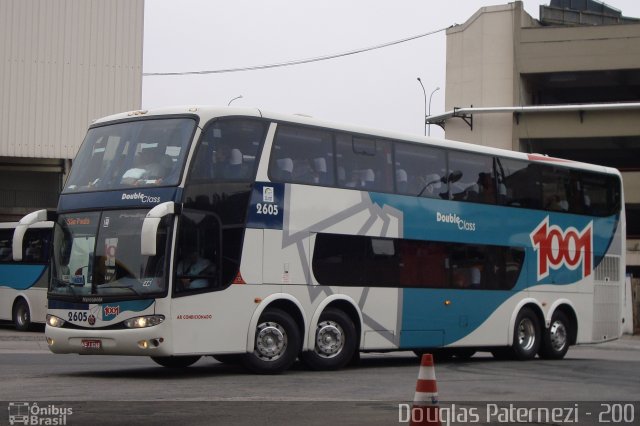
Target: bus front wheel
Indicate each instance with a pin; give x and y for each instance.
(22, 315)
(276, 343)
(526, 335)
(335, 341)
(175, 361)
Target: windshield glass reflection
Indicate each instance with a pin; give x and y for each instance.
(142, 153)
(99, 254)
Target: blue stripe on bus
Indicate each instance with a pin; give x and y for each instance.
(20, 276)
(427, 321)
(441, 220)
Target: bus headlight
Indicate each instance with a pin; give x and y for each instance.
(54, 321)
(142, 322)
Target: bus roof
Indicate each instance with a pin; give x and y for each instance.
(207, 112)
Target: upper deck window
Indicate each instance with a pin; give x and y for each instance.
(228, 151)
(364, 163)
(139, 153)
(302, 155)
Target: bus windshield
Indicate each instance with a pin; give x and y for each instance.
(98, 254)
(144, 153)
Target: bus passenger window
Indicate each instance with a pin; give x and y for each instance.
(302, 155)
(419, 170)
(285, 169)
(319, 171)
(366, 162)
(476, 183)
(6, 240)
(555, 182)
(233, 169)
(36, 245)
(402, 184)
(227, 151)
(518, 183)
(368, 179)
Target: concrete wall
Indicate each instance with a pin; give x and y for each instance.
(587, 48)
(480, 72)
(63, 64)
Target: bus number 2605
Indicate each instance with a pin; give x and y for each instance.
(77, 316)
(268, 209)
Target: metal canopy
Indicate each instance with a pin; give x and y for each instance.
(466, 114)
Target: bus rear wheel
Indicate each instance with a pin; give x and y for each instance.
(526, 335)
(175, 361)
(22, 315)
(555, 342)
(335, 341)
(276, 343)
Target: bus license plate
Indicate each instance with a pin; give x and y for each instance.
(92, 344)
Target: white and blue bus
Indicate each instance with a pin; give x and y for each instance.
(23, 284)
(261, 238)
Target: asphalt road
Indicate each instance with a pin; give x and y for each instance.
(113, 390)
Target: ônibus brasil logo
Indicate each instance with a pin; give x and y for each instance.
(557, 248)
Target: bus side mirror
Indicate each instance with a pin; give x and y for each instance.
(150, 226)
(21, 229)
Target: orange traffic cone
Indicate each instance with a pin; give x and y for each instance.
(425, 402)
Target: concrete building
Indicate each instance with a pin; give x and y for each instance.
(579, 52)
(64, 63)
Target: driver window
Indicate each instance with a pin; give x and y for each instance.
(196, 267)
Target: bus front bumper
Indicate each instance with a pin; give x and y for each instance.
(149, 341)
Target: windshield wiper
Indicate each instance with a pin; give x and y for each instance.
(128, 287)
(60, 283)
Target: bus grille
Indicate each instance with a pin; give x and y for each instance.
(607, 300)
(608, 270)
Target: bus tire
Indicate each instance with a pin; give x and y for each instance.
(175, 361)
(21, 315)
(555, 342)
(276, 343)
(335, 341)
(526, 335)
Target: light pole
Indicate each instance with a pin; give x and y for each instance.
(237, 97)
(434, 91)
(425, 106)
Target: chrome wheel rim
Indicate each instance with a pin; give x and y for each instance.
(526, 334)
(329, 339)
(22, 316)
(558, 336)
(271, 341)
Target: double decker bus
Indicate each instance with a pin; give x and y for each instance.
(262, 238)
(24, 283)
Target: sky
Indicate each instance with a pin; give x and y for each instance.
(377, 88)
